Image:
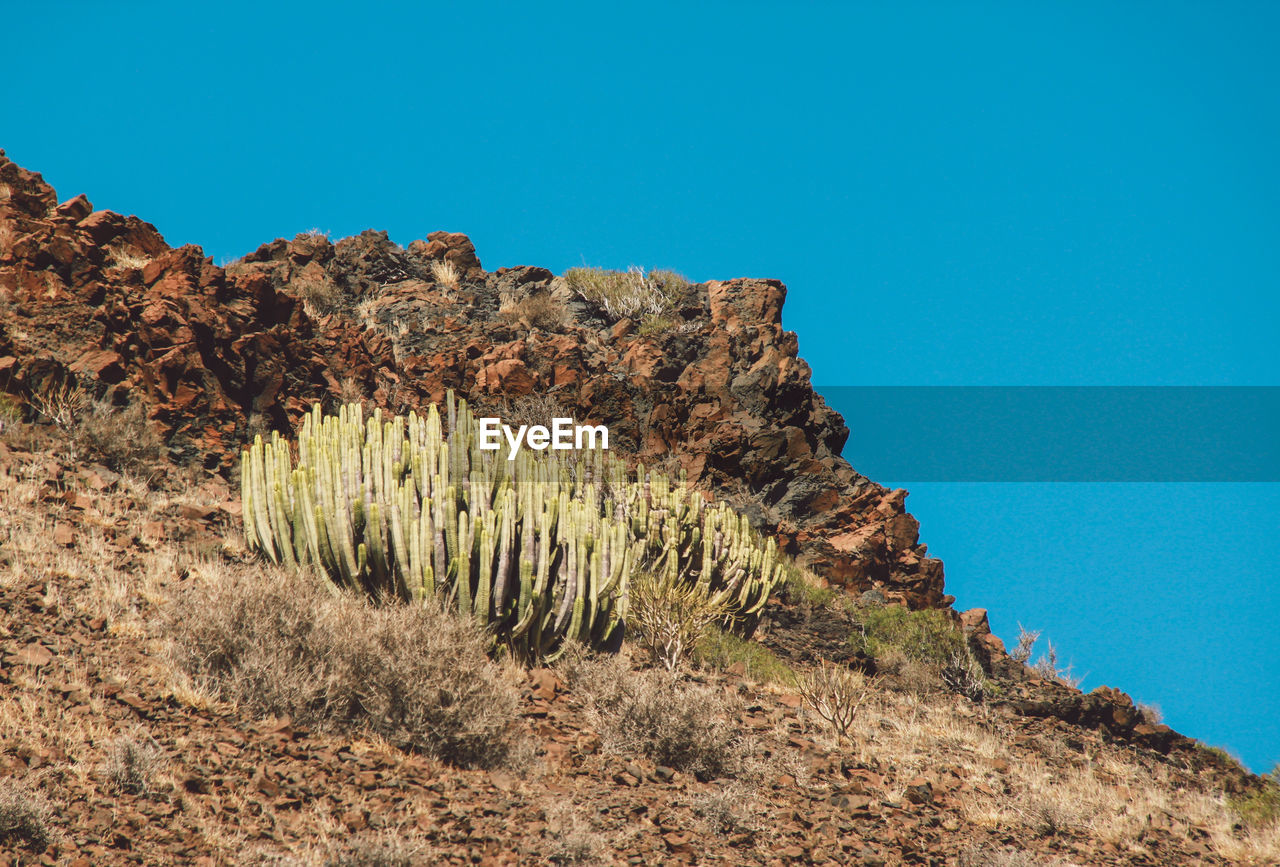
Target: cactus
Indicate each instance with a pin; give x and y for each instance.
(538, 549)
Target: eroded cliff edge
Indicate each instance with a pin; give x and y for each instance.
(218, 354)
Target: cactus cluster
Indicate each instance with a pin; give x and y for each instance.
(538, 549)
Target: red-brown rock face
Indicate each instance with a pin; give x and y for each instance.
(219, 354)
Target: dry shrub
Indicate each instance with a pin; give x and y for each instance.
(24, 816)
(61, 402)
(963, 674)
(537, 311)
(528, 409)
(446, 275)
(671, 616)
(835, 693)
(121, 438)
(983, 856)
(284, 644)
(387, 850)
(572, 839)
(133, 763)
(628, 294)
(727, 810)
(654, 713)
(319, 297)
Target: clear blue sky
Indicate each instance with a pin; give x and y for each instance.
(956, 194)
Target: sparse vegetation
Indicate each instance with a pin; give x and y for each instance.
(1047, 665)
(922, 649)
(320, 297)
(121, 438)
(835, 694)
(671, 616)
(802, 588)
(62, 402)
(926, 636)
(24, 816)
(446, 275)
(657, 714)
(133, 764)
(277, 644)
(630, 294)
(574, 843)
(537, 311)
(720, 650)
(1260, 808)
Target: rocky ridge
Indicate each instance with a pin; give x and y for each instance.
(218, 354)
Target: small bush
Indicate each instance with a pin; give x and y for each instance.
(654, 713)
(446, 276)
(718, 650)
(835, 694)
(727, 810)
(121, 438)
(629, 294)
(671, 616)
(1260, 808)
(537, 311)
(573, 842)
(24, 816)
(285, 644)
(925, 636)
(923, 648)
(133, 764)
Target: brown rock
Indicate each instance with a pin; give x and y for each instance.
(975, 622)
(76, 209)
(34, 655)
(919, 791)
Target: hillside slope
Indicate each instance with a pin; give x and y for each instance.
(132, 374)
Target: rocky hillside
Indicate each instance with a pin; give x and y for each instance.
(219, 354)
(131, 373)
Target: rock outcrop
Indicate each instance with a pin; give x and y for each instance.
(218, 354)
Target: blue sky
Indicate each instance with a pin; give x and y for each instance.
(956, 194)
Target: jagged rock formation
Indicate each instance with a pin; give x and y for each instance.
(219, 354)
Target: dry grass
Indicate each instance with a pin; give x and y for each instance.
(629, 294)
(62, 402)
(123, 257)
(446, 275)
(283, 644)
(121, 438)
(656, 714)
(537, 311)
(134, 763)
(320, 297)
